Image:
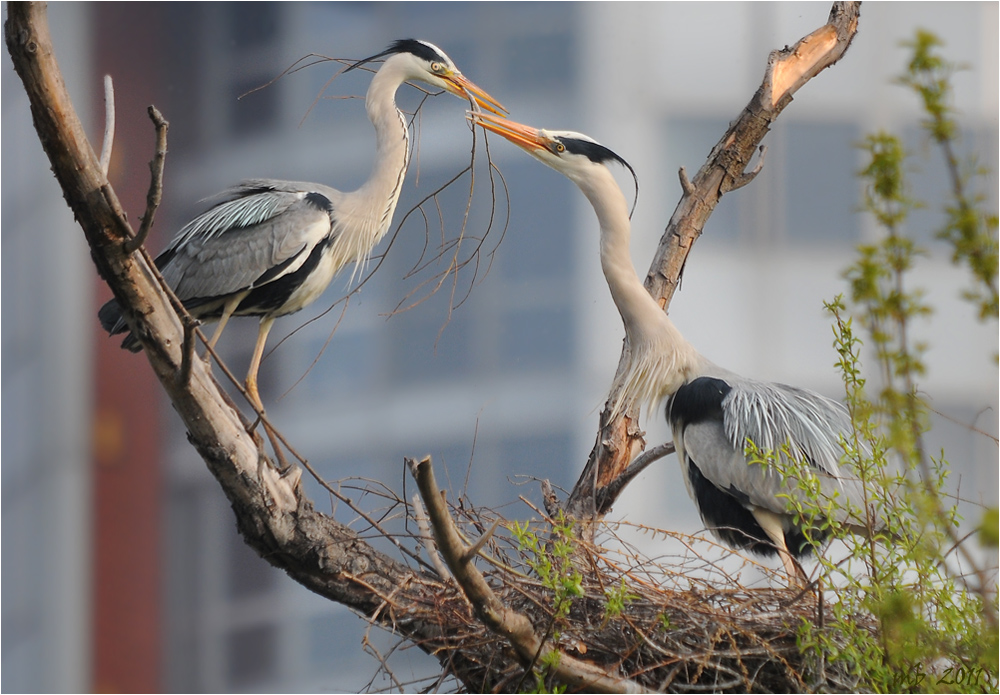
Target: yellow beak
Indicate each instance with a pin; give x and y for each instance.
(521, 135)
(461, 86)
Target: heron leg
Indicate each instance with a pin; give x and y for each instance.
(254, 395)
(771, 523)
(227, 311)
(258, 353)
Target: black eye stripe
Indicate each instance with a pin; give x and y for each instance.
(596, 153)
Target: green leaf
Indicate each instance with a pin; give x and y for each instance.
(989, 528)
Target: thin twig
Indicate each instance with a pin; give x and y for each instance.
(109, 124)
(155, 193)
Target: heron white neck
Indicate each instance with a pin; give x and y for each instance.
(659, 351)
(392, 145)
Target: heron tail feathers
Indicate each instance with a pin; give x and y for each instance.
(110, 316)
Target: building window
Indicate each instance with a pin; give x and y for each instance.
(537, 338)
(252, 656)
(523, 55)
(249, 575)
(425, 345)
(543, 456)
(253, 24)
(255, 112)
(822, 189)
(539, 242)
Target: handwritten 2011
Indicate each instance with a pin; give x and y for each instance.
(966, 675)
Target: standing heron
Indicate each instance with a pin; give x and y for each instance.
(712, 411)
(269, 248)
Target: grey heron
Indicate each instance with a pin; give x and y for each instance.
(268, 248)
(712, 412)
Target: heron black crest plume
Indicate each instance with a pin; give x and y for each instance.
(599, 154)
(420, 49)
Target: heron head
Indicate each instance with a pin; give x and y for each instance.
(425, 62)
(572, 154)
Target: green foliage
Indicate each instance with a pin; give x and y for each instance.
(908, 622)
(989, 529)
(969, 229)
(878, 289)
(617, 597)
(546, 665)
(551, 559)
(905, 618)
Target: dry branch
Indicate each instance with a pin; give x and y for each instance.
(619, 439)
(155, 194)
(109, 124)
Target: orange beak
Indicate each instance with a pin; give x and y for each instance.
(523, 136)
(461, 86)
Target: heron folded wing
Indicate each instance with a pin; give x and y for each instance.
(774, 415)
(240, 258)
(235, 208)
(752, 484)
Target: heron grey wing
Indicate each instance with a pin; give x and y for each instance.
(710, 449)
(216, 262)
(772, 415)
(759, 485)
(238, 207)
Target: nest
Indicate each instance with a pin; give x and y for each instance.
(673, 633)
(674, 624)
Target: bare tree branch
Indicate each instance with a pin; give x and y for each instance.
(109, 124)
(155, 182)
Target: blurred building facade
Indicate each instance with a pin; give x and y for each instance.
(124, 569)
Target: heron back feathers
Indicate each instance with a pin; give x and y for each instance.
(713, 418)
(254, 235)
(772, 415)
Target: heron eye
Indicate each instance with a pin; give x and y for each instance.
(559, 147)
(437, 67)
